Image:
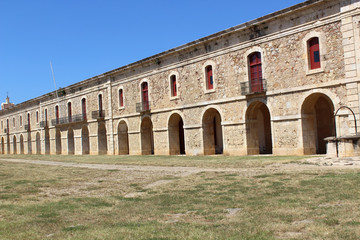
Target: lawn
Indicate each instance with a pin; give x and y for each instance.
(52, 202)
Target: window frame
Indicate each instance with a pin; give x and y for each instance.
(322, 50)
(206, 79)
(172, 88)
(121, 98)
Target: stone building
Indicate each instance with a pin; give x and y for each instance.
(268, 86)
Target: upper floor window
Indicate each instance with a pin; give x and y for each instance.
(83, 108)
(37, 116)
(209, 77)
(145, 95)
(314, 53)
(69, 112)
(13, 122)
(57, 114)
(173, 86)
(7, 124)
(255, 72)
(101, 114)
(45, 113)
(121, 97)
(20, 121)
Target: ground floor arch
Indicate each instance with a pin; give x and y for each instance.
(85, 140)
(123, 138)
(147, 136)
(318, 122)
(102, 139)
(212, 132)
(58, 141)
(2, 146)
(14, 145)
(258, 129)
(22, 144)
(176, 135)
(71, 142)
(38, 143)
(47, 141)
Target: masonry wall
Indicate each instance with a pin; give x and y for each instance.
(290, 98)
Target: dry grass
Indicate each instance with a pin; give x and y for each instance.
(47, 202)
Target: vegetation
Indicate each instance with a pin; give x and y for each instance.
(55, 202)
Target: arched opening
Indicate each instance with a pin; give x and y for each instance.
(38, 144)
(85, 141)
(176, 135)
(47, 141)
(14, 145)
(102, 139)
(212, 132)
(58, 141)
(318, 122)
(123, 138)
(258, 129)
(71, 142)
(147, 137)
(2, 146)
(8, 144)
(29, 143)
(21, 144)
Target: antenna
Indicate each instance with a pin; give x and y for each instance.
(52, 71)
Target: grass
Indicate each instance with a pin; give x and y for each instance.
(183, 161)
(48, 202)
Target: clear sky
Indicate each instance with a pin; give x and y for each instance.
(87, 38)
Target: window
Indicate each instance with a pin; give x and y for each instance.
(83, 108)
(28, 120)
(20, 121)
(45, 113)
(57, 114)
(173, 86)
(255, 72)
(37, 117)
(101, 114)
(314, 53)
(209, 77)
(13, 122)
(145, 95)
(69, 112)
(121, 98)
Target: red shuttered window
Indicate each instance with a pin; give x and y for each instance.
(173, 86)
(121, 98)
(145, 95)
(314, 53)
(255, 72)
(209, 78)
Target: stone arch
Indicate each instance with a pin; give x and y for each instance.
(318, 122)
(22, 144)
(123, 138)
(2, 146)
(258, 129)
(147, 136)
(47, 141)
(58, 141)
(176, 134)
(38, 143)
(85, 140)
(71, 142)
(212, 132)
(102, 139)
(14, 145)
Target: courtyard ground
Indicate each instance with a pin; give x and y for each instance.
(177, 197)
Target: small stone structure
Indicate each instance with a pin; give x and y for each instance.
(268, 86)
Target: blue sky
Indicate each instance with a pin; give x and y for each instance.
(87, 38)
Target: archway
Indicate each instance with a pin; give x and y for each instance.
(318, 122)
(2, 146)
(147, 137)
(123, 138)
(47, 141)
(58, 141)
(38, 143)
(258, 129)
(21, 144)
(85, 141)
(102, 139)
(212, 132)
(14, 145)
(71, 142)
(176, 135)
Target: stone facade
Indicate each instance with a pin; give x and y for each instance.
(217, 105)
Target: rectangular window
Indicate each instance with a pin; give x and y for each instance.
(121, 98)
(209, 78)
(173, 86)
(314, 53)
(20, 121)
(37, 117)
